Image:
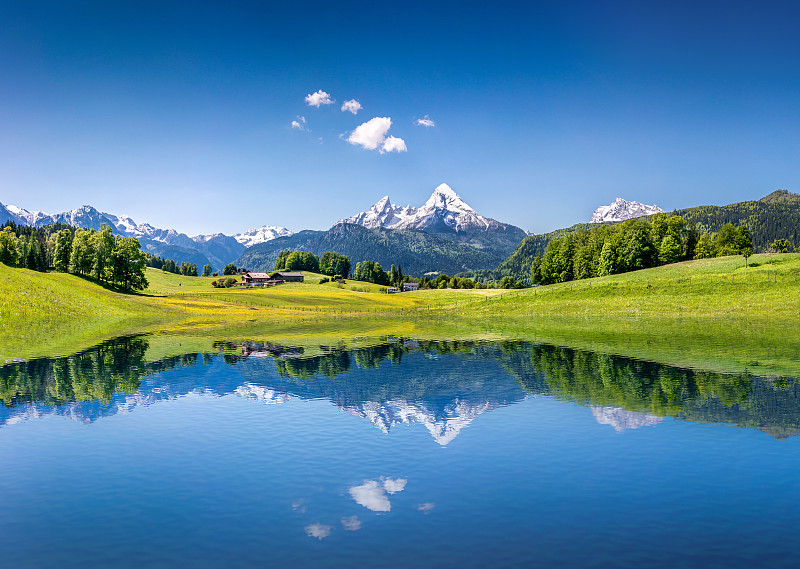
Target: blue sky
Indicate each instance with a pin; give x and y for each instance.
(180, 114)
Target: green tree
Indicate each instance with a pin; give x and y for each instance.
(127, 264)
(207, 270)
(9, 248)
(102, 243)
(726, 240)
(82, 257)
(743, 240)
(536, 269)
(781, 245)
(607, 264)
(332, 264)
(63, 250)
(670, 250)
(705, 248)
(230, 269)
(746, 253)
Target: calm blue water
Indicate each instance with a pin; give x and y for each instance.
(401, 455)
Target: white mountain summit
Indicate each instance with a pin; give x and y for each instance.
(620, 210)
(261, 235)
(444, 210)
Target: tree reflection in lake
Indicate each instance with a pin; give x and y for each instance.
(442, 385)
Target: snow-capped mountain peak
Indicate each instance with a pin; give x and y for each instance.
(444, 209)
(445, 198)
(261, 234)
(620, 210)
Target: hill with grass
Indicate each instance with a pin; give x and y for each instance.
(713, 314)
(776, 216)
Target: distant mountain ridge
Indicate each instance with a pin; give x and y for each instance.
(216, 249)
(620, 210)
(774, 216)
(418, 252)
(445, 215)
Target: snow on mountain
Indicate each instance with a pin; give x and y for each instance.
(623, 419)
(261, 235)
(621, 209)
(88, 217)
(444, 424)
(443, 208)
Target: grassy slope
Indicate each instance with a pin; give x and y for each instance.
(712, 314)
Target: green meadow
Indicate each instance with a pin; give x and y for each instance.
(712, 314)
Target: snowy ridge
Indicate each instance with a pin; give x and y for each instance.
(88, 217)
(623, 419)
(443, 427)
(443, 208)
(620, 210)
(261, 235)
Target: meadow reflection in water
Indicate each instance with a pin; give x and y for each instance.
(402, 452)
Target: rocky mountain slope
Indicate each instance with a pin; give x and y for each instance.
(416, 251)
(445, 215)
(216, 249)
(620, 210)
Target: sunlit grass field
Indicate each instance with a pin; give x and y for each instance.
(713, 313)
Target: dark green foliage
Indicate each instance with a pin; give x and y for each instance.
(166, 265)
(302, 261)
(207, 270)
(230, 269)
(332, 264)
(371, 272)
(62, 250)
(127, 264)
(509, 282)
(776, 216)
(781, 245)
(99, 373)
(416, 251)
(226, 282)
(632, 245)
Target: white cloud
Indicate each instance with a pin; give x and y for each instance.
(300, 123)
(352, 105)
(372, 493)
(394, 485)
(319, 98)
(372, 496)
(318, 530)
(426, 507)
(426, 122)
(351, 523)
(371, 134)
(394, 144)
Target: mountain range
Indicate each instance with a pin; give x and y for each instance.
(215, 249)
(444, 234)
(620, 210)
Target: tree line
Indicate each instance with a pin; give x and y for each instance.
(171, 266)
(634, 244)
(331, 264)
(115, 260)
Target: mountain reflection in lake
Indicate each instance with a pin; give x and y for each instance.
(542, 455)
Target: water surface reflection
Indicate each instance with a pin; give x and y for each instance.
(442, 386)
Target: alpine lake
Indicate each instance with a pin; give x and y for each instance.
(149, 452)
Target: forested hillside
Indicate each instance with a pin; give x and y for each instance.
(417, 252)
(776, 216)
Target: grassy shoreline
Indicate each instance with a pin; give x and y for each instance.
(710, 314)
